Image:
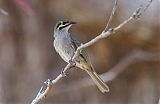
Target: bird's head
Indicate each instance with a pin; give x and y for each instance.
(64, 25)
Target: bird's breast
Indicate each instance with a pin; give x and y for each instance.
(63, 47)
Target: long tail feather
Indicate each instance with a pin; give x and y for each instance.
(98, 81)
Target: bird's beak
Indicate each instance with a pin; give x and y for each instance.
(73, 22)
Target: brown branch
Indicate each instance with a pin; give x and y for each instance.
(105, 33)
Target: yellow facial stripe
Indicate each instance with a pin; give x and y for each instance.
(63, 25)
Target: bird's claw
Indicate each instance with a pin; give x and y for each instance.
(72, 63)
(64, 74)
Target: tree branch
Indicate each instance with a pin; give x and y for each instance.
(49, 83)
(105, 33)
(136, 15)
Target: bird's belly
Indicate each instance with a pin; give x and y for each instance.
(65, 56)
(64, 50)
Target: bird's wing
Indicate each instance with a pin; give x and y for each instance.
(75, 45)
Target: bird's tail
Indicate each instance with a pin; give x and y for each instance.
(98, 81)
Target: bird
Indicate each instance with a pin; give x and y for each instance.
(66, 45)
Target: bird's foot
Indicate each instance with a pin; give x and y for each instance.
(64, 74)
(72, 63)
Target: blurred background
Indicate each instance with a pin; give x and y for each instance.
(28, 58)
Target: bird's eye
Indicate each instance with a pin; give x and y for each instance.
(64, 23)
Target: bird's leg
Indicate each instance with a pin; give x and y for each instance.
(72, 64)
(64, 74)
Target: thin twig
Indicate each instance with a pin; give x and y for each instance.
(112, 14)
(43, 93)
(139, 11)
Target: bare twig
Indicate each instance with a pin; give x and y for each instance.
(105, 34)
(42, 94)
(142, 9)
(130, 58)
(112, 14)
